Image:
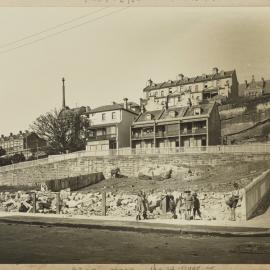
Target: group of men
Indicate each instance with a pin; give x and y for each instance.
(186, 206)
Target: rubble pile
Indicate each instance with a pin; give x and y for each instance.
(213, 204)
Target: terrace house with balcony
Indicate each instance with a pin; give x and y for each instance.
(110, 126)
(187, 126)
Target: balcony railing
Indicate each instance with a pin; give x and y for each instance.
(193, 131)
(142, 136)
(164, 134)
(102, 137)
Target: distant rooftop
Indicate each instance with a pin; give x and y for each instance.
(185, 80)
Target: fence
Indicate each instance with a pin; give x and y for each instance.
(255, 193)
(74, 183)
(245, 148)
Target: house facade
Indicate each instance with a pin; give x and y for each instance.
(23, 142)
(254, 88)
(110, 126)
(191, 91)
(186, 126)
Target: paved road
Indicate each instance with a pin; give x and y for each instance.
(42, 244)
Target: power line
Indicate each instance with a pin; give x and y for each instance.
(65, 30)
(50, 28)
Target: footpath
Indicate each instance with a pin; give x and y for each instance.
(259, 226)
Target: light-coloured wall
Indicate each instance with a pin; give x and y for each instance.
(255, 192)
(96, 118)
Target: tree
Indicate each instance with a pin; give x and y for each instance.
(2, 151)
(63, 130)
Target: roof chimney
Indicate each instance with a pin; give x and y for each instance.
(263, 81)
(125, 103)
(253, 78)
(246, 83)
(215, 70)
(64, 94)
(20, 132)
(150, 82)
(142, 108)
(189, 102)
(11, 134)
(181, 77)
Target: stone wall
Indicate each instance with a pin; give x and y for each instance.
(129, 165)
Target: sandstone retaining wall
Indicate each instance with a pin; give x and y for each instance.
(129, 165)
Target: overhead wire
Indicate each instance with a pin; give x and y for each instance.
(50, 28)
(63, 31)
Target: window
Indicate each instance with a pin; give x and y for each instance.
(196, 87)
(197, 111)
(113, 115)
(148, 116)
(179, 99)
(172, 113)
(205, 86)
(103, 116)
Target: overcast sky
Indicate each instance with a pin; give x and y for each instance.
(113, 57)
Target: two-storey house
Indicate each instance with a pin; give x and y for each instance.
(110, 126)
(187, 126)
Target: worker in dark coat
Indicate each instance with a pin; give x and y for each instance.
(196, 206)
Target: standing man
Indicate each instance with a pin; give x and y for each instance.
(196, 206)
(189, 204)
(234, 200)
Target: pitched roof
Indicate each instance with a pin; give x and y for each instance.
(181, 112)
(143, 117)
(206, 109)
(21, 135)
(197, 79)
(111, 107)
(266, 89)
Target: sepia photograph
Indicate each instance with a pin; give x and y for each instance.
(135, 135)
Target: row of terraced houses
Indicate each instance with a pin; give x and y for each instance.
(175, 113)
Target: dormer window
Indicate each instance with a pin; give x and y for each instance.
(197, 111)
(162, 93)
(172, 113)
(148, 116)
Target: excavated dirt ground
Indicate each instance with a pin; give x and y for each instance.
(211, 178)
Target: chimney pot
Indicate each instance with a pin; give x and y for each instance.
(11, 134)
(125, 103)
(181, 76)
(215, 70)
(263, 81)
(150, 82)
